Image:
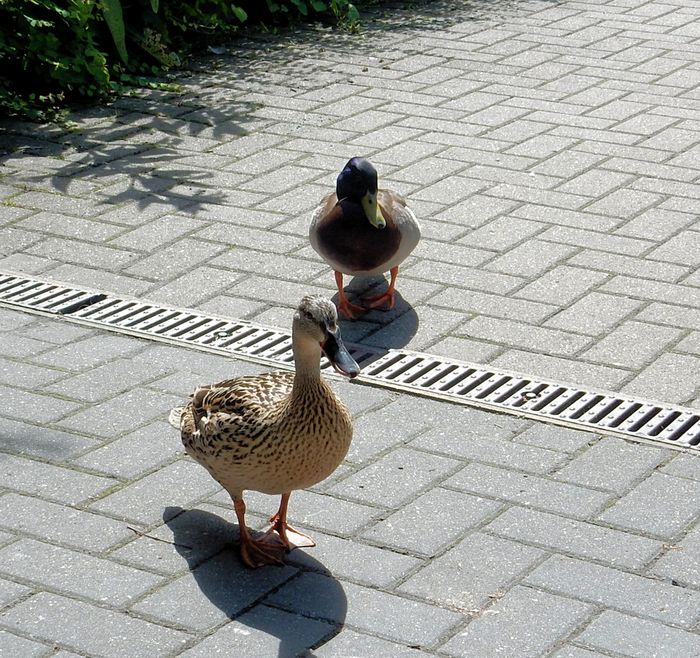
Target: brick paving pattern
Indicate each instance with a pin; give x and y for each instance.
(551, 153)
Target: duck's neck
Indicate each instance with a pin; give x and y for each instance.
(307, 363)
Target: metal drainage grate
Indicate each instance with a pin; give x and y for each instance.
(402, 370)
(138, 318)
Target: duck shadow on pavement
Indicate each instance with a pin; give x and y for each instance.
(276, 610)
(378, 327)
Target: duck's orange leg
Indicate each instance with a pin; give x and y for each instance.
(344, 306)
(387, 296)
(255, 552)
(290, 537)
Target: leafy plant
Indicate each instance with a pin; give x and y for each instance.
(56, 51)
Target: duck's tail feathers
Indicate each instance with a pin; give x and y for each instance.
(175, 417)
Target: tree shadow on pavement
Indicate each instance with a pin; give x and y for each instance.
(206, 542)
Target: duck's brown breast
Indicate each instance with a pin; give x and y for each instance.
(347, 238)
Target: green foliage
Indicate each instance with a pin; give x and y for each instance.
(57, 51)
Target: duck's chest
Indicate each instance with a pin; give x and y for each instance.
(311, 447)
(351, 244)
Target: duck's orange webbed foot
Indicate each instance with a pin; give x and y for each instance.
(290, 538)
(282, 533)
(260, 552)
(344, 306)
(388, 296)
(385, 298)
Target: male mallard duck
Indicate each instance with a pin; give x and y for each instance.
(274, 432)
(362, 231)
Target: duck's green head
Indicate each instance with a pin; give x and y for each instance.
(358, 181)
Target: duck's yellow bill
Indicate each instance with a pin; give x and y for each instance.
(372, 210)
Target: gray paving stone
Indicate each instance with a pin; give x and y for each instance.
(670, 315)
(684, 465)
(117, 415)
(63, 484)
(653, 290)
(10, 591)
(576, 652)
(561, 285)
(13, 645)
(612, 464)
(450, 274)
(643, 509)
(671, 378)
(370, 437)
(46, 329)
(117, 283)
(597, 241)
(10, 319)
(487, 442)
(387, 615)
(193, 287)
(91, 630)
(31, 407)
(585, 540)
(532, 258)
(626, 592)
(432, 521)
(59, 523)
(681, 562)
(565, 370)
(635, 637)
(655, 224)
(594, 314)
(79, 573)
(53, 223)
(188, 538)
(355, 561)
(528, 490)
(100, 257)
(90, 352)
(476, 211)
(105, 381)
(21, 346)
(518, 334)
(525, 623)
(350, 643)
(396, 477)
(25, 375)
(41, 441)
(174, 259)
(501, 233)
(163, 447)
(553, 437)
(181, 483)
(473, 572)
(312, 509)
(218, 589)
(465, 349)
(632, 345)
(262, 632)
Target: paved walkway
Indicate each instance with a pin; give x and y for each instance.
(550, 150)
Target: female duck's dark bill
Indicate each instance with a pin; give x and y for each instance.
(338, 355)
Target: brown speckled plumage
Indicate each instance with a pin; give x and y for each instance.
(273, 432)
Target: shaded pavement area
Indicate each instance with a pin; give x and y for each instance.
(550, 150)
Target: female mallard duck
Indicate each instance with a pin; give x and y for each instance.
(362, 231)
(274, 432)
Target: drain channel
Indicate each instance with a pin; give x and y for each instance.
(401, 370)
